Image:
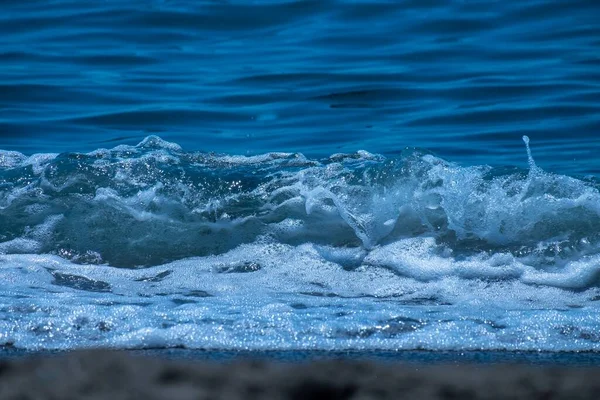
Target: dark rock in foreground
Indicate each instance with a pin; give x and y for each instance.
(121, 375)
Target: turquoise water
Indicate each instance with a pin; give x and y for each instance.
(286, 176)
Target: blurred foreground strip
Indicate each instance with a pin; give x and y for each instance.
(121, 375)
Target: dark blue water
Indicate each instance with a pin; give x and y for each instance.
(465, 79)
(315, 175)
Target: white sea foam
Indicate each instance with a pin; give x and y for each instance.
(286, 297)
(278, 251)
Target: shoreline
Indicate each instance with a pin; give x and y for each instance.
(134, 374)
(432, 357)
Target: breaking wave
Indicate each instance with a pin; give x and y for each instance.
(152, 246)
(146, 205)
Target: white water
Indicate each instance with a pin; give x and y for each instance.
(281, 252)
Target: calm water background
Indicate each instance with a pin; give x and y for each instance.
(465, 79)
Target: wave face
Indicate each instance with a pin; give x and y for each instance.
(150, 245)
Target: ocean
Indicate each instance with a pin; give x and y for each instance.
(280, 176)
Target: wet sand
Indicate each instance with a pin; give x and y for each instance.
(125, 375)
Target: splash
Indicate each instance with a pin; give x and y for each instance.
(153, 203)
(150, 245)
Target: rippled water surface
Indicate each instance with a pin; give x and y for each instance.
(314, 175)
(465, 79)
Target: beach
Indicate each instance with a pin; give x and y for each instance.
(99, 374)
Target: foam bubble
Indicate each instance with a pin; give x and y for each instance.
(291, 297)
(10, 159)
(154, 142)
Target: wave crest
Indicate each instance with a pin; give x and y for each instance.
(153, 203)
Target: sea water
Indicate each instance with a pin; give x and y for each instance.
(310, 175)
(153, 246)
